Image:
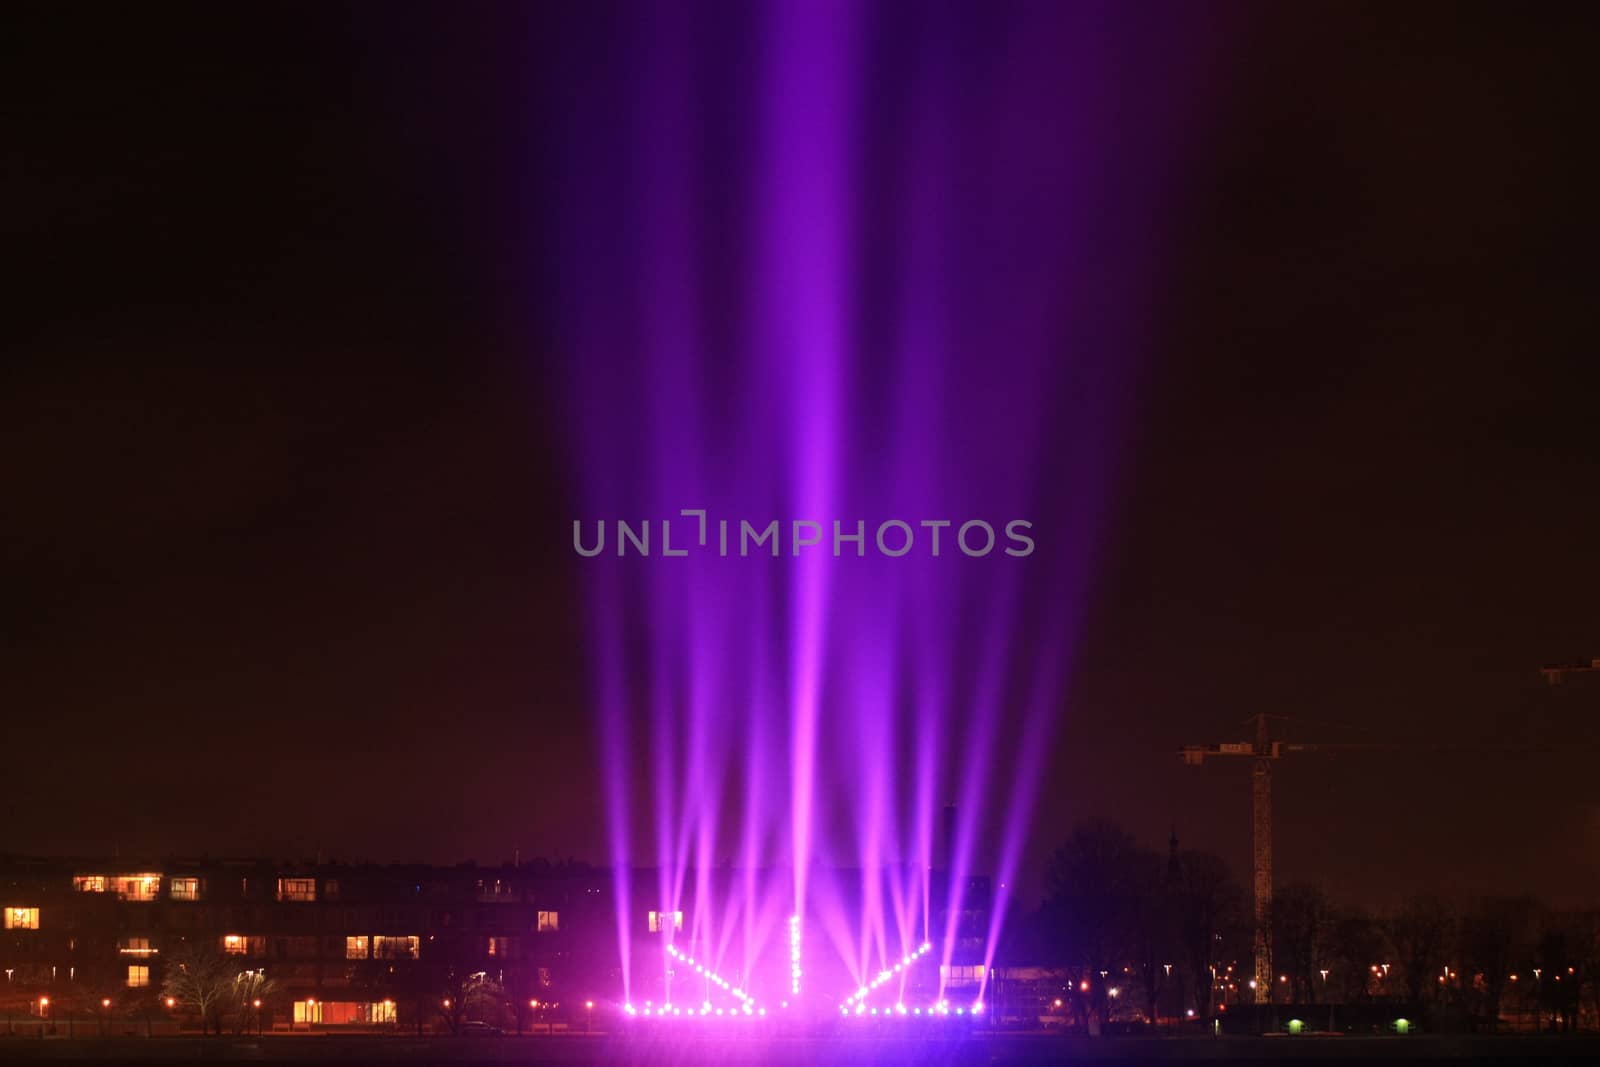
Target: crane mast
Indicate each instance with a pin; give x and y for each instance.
(1261, 858)
(1262, 751)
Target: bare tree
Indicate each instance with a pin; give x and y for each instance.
(1420, 934)
(1210, 911)
(202, 979)
(1493, 937)
(1092, 884)
(1356, 946)
(1302, 920)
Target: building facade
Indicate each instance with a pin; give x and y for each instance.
(399, 946)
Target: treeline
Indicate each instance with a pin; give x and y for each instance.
(1163, 935)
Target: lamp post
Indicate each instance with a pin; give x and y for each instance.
(1324, 973)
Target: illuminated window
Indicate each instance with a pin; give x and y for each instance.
(659, 920)
(89, 883)
(136, 946)
(184, 889)
(381, 1012)
(307, 1011)
(235, 944)
(355, 948)
(548, 921)
(297, 889)
(137, 886)
(500, 946)
(395, 948)
(138, 976)
(22, 918)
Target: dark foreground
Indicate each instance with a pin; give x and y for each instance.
(697, 1050)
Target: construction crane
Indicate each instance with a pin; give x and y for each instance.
(1554, 674)
(1263, 750)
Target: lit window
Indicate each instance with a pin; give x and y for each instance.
(548, 921)
(184, 889)
(307, 1011)
(235, 944)
(138, 976)
(22, 918)
(136, 946)
(500, 946)
(381, 1012)
(137, 886)
(297, 889)
(355, 948)
(660, 919)
(89, 883)
(395, 948)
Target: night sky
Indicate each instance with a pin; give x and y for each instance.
(285, 557)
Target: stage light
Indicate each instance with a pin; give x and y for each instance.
(794, 954)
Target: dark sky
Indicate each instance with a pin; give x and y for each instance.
(283, 538)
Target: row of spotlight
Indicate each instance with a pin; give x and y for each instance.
(794, 955)
(711, 976)
(705, 1010)
(859, 996)
(933, 1010)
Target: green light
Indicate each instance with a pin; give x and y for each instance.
(1296, 1026)
(1402, 1026)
